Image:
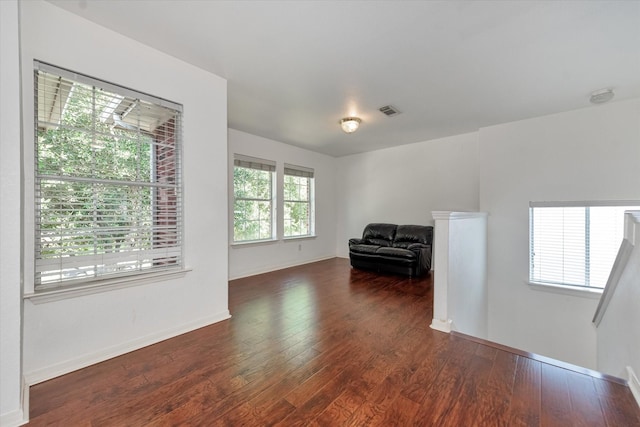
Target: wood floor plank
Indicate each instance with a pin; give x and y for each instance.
(526, 399)
(617, 404)
(343, 407)
(496, 395)
(585, 405)
(325, 345)
(401, 412)
(555, 399)
(466, 407)
(444, 391)
(319, 401)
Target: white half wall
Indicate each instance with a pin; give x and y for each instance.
(460, 272)
(64, 335)
(587, 154)
(403, 185)
(250, 259)
(11, 411)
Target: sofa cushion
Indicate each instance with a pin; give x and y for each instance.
(364, 249)
(407, 235)
(379, 234)
(396, 253)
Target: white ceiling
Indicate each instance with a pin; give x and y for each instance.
(294, 68)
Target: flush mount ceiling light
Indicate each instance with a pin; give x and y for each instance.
(350, 124)
(601, 96)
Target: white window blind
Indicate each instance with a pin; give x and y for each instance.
(108, 192)
(298, 201)
(575, 244)
(253, 207)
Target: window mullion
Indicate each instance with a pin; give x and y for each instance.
(94, 175)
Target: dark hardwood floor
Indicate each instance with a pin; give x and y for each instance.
(324, 345)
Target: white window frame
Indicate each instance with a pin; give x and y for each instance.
(303, 173)
(542, 280)
(122, 267)
(269, 166)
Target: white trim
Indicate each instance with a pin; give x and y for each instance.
(13, 419)
(248, 243)
(576, 291)
(451, 215)
(293, 238)
(71, 365)
(50, 295)
(580, 204)
(632, 227)
(634, 384)
(26, 392)
(441, 325)
(624, 253)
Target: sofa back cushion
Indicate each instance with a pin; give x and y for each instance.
(379, 234)
(409, 234)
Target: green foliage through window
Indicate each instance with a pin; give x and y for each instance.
(107, 184)
(297, 206)
(252, 207)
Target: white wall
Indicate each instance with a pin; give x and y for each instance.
(404, 184)
(10, 215)
(63, 335)
(246, 260)
(588, 154)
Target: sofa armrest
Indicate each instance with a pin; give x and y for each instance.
(424, 255)
(418, 246)
(355, 241)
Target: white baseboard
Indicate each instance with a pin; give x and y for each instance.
(49, 372)
(25, 399)
(441, 325)
(13, 419)
(634, 384)
(19, 416)
(277, 267)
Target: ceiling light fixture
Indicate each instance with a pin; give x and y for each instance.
(350, 124)
(601, 96)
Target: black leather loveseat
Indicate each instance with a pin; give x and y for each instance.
(403, 249)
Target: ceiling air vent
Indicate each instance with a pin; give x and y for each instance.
(389, 110)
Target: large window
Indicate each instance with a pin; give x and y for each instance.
(253, 207)
(298, 201)
(575, 244)
(108, 197)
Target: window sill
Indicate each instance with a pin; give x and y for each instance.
(51, 295)
(293, 238)
(577, 291)
(249, 243)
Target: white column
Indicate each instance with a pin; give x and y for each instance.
(460, 272)
(441, 320)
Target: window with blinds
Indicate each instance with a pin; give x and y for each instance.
(575, 244)
(108, 195)
(253, 207)
(298, 201)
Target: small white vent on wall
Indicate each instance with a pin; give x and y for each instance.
(389, 110)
